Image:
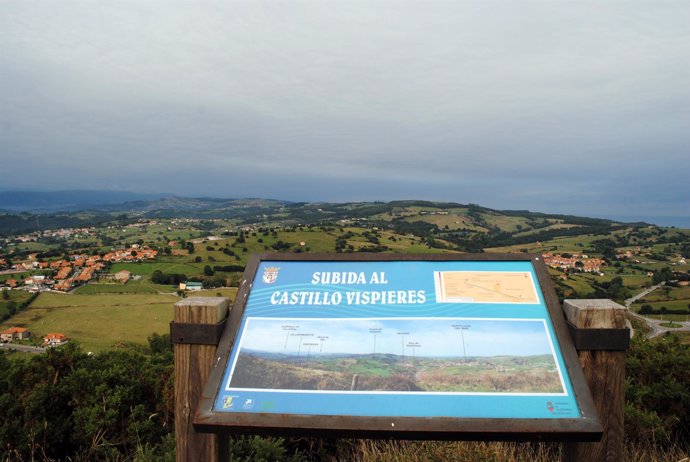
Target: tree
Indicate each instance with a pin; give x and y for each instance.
(5, 294)
(664, 274)
(657, 393)
(208, 271)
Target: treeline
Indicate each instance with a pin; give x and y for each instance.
(27, 222)
(649, 309)
(173, 279)
(13, 307)
(229, 268)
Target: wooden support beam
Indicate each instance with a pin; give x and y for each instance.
(193, 362)
(604, 372)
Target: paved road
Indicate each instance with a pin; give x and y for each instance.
(635, 298)
(654, 325)
(13, 271)
(26, 348)
(657, 329)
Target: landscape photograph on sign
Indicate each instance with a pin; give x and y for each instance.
(397, 355)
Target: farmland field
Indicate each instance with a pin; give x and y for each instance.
(16, 296)
(132, 287)
(99, 322)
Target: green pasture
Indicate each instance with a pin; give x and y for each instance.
(153, 234)
(132, 287)
(32, 247)
(667, 293)
(671, 325)
(533, 231)
(101, 321)
(580, 284)
(576, 244)
(17, 276)
(17, 296)
(506, 223)
(674, 305)
(181, 265)
(56, 300)
(683, 336)
(453, 222)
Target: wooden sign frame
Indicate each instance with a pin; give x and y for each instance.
(567, 414)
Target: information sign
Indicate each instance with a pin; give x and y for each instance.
(461, 346)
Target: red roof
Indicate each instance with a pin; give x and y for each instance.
(14, 330)
(56, 336)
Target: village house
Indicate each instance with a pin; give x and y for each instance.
(63, 273)
(193, 286)
(55, 339)
(135, 254)
(85, 275)
(14, 333)
(64, 285)
(122, 276)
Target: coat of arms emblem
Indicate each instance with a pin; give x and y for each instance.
(270, 274)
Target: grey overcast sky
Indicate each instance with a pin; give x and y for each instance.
(570, 107)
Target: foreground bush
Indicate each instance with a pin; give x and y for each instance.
(118, 406)
(68, 404)
(657, 392)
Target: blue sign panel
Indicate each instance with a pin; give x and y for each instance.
(458, 339)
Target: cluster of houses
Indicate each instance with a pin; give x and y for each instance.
(63, 233)
(66, 233)
(573, 262)
(632, 255)
(22, 333)
(79, 269)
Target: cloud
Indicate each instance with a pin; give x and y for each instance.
(570, 107)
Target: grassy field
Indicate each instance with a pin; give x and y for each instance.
(17, 296)
(132, 287)
(668, 293)
(683, 336)
(579, 283)
(671, 325)
(99, 322)
(164, 264)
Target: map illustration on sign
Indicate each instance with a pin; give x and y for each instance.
(398, 355)
(485, 287)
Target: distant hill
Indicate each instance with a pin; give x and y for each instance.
(470, 226)
(66, 201)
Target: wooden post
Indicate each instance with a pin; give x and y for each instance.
(604, 370)
(194, 359)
